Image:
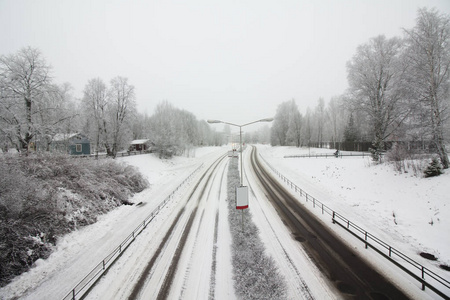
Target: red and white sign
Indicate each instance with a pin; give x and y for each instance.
(241, 197)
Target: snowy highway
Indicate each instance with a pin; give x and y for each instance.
(185, 252)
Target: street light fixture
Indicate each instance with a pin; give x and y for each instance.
(241, 192)
(240, 134)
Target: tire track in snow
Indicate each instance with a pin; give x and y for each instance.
(165, 288)
(191, 260)
(212, 280)
(147, 273)
(302, 287)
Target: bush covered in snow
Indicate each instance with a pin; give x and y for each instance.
(405, 161)
(44, 196)
(434, 168)
(255, 274)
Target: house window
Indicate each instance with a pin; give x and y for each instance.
(79, 147)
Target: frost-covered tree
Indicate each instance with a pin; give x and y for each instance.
(176, 131)
(294, 133)
(428, 56)
(56, 112)
(375, 75)
(96, 103)
(308, 128)
(281, 123)
(123, 106)
(351, 133)
(320, 119)
(24, 81)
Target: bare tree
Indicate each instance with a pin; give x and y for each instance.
(320, 118)
(294, 133)
(308, 128)
(428, 55)
(122, 98)
(375, 76)
(96, 102)
(336, 116)
(24, 78)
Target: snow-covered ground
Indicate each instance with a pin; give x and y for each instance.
(408, 212)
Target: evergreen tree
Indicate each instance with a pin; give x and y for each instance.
(433, 169)
(351, 133)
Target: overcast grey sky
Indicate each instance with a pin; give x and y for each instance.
(229, 60)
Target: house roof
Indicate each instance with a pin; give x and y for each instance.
(63, 136)
(70, 137)
(138, 142)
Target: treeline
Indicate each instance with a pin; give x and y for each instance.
(398, 91)
(34, 110)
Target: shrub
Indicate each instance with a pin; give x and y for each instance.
(434, 168)
(397, 156)
(44, 196)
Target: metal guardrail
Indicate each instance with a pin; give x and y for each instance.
(425, 276)
(326, 155)
(89, 280)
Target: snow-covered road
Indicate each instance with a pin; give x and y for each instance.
(175, 258)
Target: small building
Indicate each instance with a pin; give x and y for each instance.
(72, 143)
(140, 145)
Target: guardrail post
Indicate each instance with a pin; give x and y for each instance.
(390, 251)
(73, 294)
(333, 217)
(423, 277)
(103, 261)
(322, 208)
(314, 202)
(365, 238)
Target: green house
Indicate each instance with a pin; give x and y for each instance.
(73, 143)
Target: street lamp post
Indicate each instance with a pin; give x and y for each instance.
(241, 192)
(240, 135)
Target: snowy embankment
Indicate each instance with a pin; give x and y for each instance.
(409, 212)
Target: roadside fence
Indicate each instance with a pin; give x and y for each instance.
(423, 275)
(91, 278)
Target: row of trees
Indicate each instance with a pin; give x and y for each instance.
(398, 90)
(34, 110)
